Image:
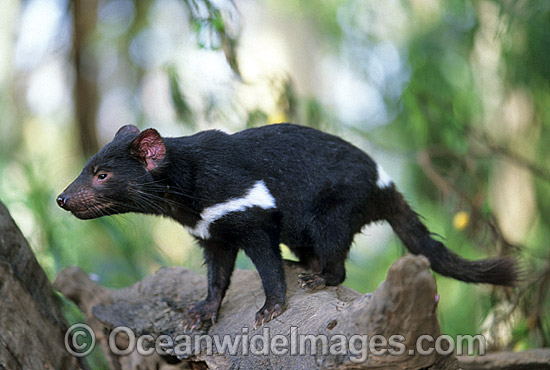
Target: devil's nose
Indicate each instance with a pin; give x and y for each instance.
(62, 200)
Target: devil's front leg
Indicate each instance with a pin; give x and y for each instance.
(220, 262)
(262, 246)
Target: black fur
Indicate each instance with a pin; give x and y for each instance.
(324, 188)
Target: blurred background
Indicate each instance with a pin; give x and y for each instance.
(452, 98)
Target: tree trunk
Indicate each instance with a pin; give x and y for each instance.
(86, 71)
(32, 327)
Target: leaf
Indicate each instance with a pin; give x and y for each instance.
(216, 26)
(183, 111)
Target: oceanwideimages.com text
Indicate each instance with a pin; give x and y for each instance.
(80, 341)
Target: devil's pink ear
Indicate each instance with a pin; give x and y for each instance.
(149, 148)
(126, 130)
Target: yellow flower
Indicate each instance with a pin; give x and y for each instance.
(461, 220)
(277, 117)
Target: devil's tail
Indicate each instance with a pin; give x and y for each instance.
(418, 240)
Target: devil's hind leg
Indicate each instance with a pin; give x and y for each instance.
(332, 242)
(337, 214)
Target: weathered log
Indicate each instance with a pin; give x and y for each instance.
(531, 359)
(32, 327)
(405, 304)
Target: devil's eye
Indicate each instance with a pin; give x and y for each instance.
(102, 176)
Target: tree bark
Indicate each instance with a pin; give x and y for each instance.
(32, 327)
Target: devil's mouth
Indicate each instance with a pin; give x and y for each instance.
(93, 211)
(85, 214)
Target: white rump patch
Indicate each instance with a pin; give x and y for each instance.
(384, 180)
(257, 196)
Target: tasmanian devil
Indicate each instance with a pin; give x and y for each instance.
(254, 190)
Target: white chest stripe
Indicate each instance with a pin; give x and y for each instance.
(384, 180)
(257, 196)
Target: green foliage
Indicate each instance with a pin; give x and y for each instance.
(183, 110)
(213, 22)
(256, 118)
(322, 14)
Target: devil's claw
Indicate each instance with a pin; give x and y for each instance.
(268, 313)
(311, 281)
(200, 314)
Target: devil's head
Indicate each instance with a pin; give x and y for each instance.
(121, 177)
